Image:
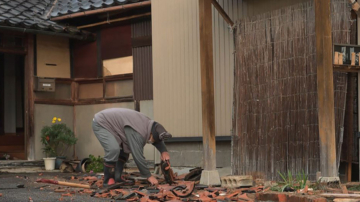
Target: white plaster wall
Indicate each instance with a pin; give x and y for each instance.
(88, 143)
(43, 116)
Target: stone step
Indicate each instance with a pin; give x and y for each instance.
(15, 155)
(21, 163)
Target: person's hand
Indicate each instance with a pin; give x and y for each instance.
(165, 156)
(153, 180)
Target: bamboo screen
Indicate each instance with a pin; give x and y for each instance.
(275, 123)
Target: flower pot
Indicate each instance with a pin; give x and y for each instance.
(59, 161)
(84, 164)
(49, 163)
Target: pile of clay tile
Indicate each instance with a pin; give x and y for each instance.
(135, 188)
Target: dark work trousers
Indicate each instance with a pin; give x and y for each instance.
(111, 147)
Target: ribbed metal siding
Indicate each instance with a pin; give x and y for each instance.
(142, 63)
(176, 66)
(177, 93)
(143, 76)
(140, 29)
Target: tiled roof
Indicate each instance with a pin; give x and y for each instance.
(32, 15)
(64, 7)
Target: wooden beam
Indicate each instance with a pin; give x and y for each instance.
(114, 20)
(222, 13)
(346, 68)
(29, 98)
(207, 84)
(325, 87)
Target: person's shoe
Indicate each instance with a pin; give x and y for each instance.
(109, 173)
(119, 169)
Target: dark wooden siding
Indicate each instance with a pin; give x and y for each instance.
(84, 59)
(142, 57)
(275, 126)
(116, 42)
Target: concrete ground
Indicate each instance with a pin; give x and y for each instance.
(10, 192)
(40, 192)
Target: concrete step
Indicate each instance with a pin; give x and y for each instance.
(21, 163)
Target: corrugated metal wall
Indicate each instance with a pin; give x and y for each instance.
(142, 58)
(276, 112)
(142, 28)
(176, 66)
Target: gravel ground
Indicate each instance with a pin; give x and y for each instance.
(10, 192)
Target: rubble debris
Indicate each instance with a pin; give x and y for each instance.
(137, 189)
(168, 172)
(182, 191)
(20, 186)
(66, 167)
(344, 189)
(237, 181)
(67, 194)
(194, 174)
(0, 194)
(59, 190)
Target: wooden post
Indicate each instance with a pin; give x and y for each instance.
(207, 84)
(2, 95)
(74, 98)
(29, 98)
(358, 77)
(325, 88)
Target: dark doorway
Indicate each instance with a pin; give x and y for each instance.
(12, 106)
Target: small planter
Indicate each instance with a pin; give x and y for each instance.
(49, 163)
(59, 161)
(84, 164)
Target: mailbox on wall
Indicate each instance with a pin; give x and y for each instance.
(44, 84)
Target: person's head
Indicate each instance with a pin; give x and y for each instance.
(158, 133)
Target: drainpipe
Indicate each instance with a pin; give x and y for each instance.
(34, 31)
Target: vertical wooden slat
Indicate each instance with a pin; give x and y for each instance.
(325, 88)
(349, 124)
(2, 96)
(207, 84)
(29, 97)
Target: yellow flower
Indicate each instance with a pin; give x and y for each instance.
(59, 119)
(54, 119)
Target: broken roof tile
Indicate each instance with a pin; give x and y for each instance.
(64, 7)
(31, 14)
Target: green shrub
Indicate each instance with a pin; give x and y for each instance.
(57, 138)
(96, 164)
(298, 183)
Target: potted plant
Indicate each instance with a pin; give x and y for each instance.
(56, 139)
